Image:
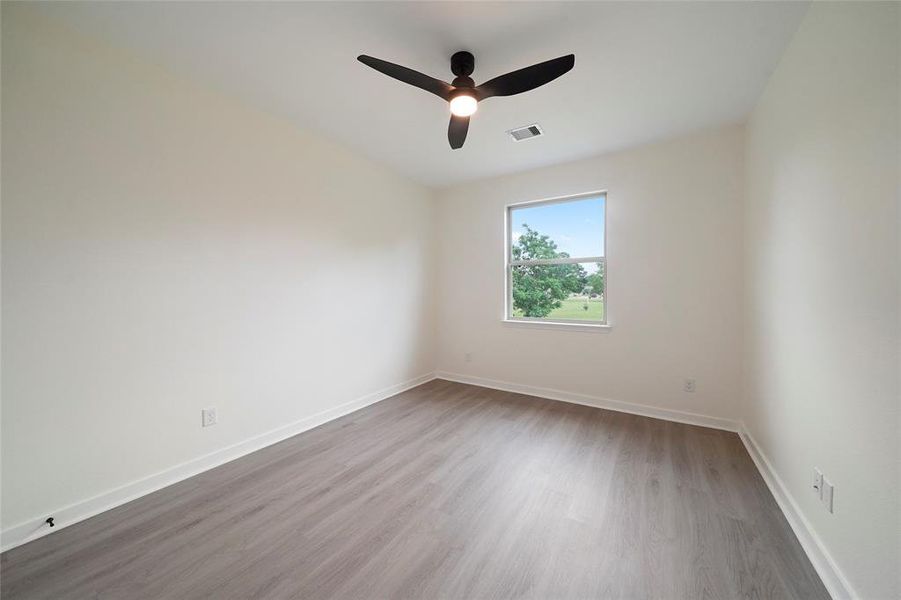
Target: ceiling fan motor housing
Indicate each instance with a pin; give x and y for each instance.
(462, 82)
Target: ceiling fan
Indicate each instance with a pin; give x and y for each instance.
(463, 94)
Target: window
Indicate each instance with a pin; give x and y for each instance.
(556, 263)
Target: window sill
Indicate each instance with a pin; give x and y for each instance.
(558, 325)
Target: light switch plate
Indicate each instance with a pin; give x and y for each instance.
(828, 493)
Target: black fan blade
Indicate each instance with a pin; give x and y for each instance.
(415, 78)
(456, 131)
(526, 79)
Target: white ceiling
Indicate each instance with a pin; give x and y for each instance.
(644, 71)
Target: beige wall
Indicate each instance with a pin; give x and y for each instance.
(674, 271)
(166, 249)
(822, 282)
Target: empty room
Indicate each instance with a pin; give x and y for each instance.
(450, 300)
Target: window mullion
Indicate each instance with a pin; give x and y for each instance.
(556, 261)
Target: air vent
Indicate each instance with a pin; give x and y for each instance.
(524, 133)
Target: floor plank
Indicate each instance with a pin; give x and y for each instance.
(445, 491)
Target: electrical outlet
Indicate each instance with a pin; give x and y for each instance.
(828, 492)
(209, 417)
(468, 357)
(689, 386)
(818, 482)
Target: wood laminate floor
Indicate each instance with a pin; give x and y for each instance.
(445, 491)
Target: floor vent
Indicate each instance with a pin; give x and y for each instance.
(525, 133)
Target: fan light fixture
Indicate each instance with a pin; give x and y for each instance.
(463, 105)
(462, 94)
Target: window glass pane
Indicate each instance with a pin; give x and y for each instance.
(559, 292)
(572, 228)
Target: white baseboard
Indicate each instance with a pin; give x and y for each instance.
(835, 581)
(69, 515)
(596, 402)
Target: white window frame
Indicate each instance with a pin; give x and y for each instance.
(509, 263)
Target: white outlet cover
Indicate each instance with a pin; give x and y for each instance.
(208, 416)
(689, 385)
(818, 482)
(828, 493)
